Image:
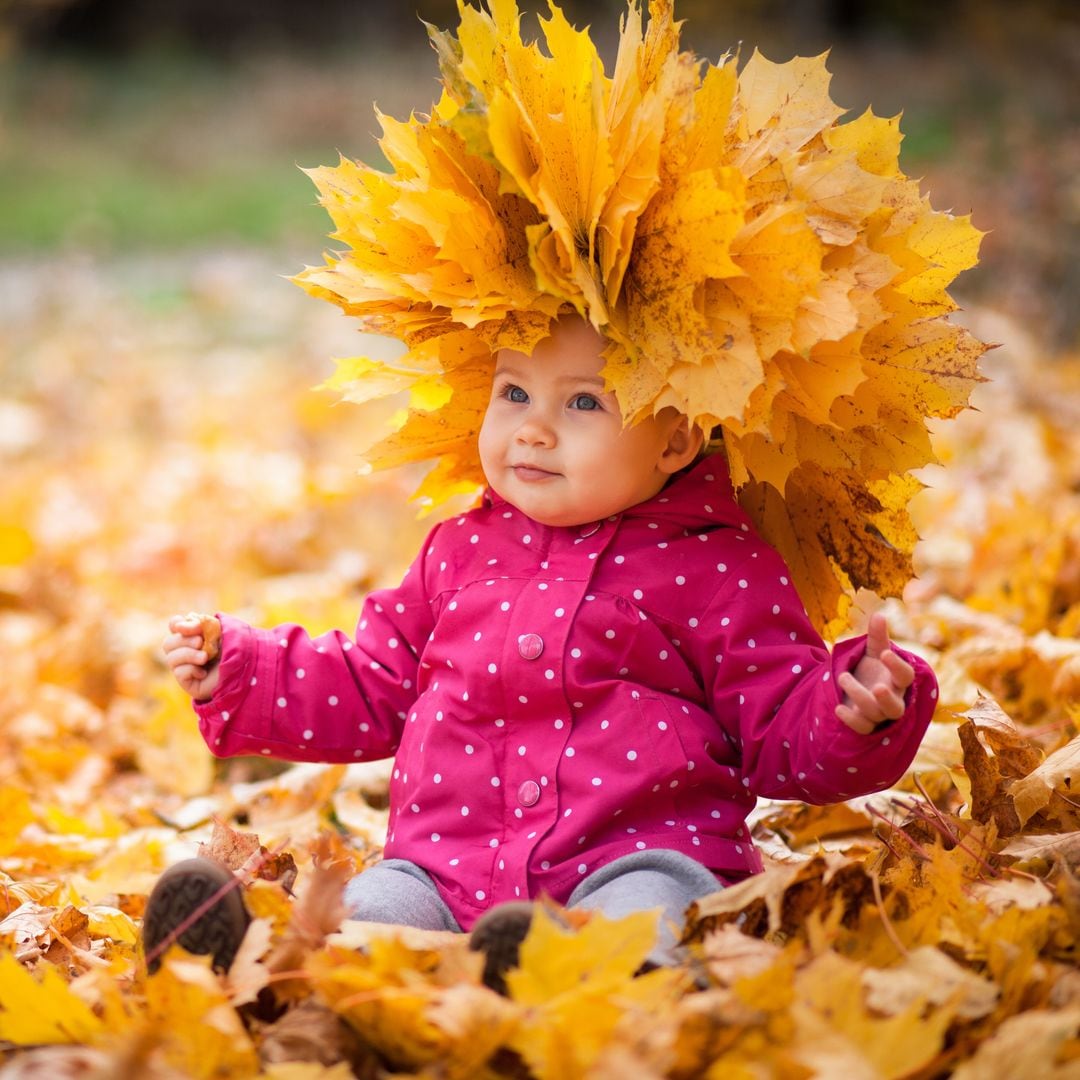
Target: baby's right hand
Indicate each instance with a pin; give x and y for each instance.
(191, 651)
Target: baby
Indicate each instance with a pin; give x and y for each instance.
(585, 683)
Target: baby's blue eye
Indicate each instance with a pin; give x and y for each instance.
(515, 394)
(585, 401)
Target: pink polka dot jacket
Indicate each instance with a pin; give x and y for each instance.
(558, 697)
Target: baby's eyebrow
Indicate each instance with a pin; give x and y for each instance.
(591, 380)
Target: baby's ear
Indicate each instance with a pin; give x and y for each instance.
(683, 445)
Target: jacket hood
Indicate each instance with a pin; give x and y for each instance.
(699, 497)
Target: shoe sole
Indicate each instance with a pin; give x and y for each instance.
(196, 903)
(498, 934)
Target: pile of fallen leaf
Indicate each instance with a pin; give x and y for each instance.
(160, 450)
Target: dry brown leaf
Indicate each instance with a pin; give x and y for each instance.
(1035, 1043)
(229, 847)
(317, 913)
(62, 1063)
(247, 975)
(210, 629)
(802, 824)
(987, 715)
(1021, 892)
(312, 1032)
(929, 976)
(777, 901)
(1058, 771)
(1038, 852)
(730, 955)
(989, 798)
(28, 923)
(242, 853)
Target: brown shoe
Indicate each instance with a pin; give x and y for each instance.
(198, 904)
(498, 934)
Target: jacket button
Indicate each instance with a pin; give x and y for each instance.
(529, 793)
(530, 646)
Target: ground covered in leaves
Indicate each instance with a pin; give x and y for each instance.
(160, 450)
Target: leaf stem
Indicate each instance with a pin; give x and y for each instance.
(886, 922)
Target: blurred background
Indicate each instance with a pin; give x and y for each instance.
(159, 444)
(161, 448)
(132, 126)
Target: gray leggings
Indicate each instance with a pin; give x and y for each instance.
(398, 891)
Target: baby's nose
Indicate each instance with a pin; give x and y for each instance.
(534, 432)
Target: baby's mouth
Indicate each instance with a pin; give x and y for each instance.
(528, 472)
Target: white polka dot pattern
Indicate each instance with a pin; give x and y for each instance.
(671, 676)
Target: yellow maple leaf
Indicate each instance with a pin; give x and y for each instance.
(131, 867)
(863, 529)
(268, 900)
(930, 902)
(874, 140)
(782, 107)
(189, 1016)
(42, 1009)
(838, 194)
(547, 130)
(948, 244)
(928, 975)
(781, 262)
(556, 960)
(637, 105)
(415, 1004)
(875, 433)
(110, 922)
(829, 995)
(13, 893)
(359, 379)
(577, 986)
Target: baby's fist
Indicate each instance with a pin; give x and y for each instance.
(191, 652)
(875, 692)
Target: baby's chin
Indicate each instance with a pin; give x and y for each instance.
(553, 520)
(534, 508)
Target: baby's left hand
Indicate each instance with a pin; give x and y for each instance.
(874, 691)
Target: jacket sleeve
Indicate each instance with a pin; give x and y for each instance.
(774, 687)
(287, 695)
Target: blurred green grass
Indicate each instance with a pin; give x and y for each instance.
(108, 203)
(172, 150)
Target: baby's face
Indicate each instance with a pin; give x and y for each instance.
(552, 442)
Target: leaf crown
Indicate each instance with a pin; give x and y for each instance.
(764, 269)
